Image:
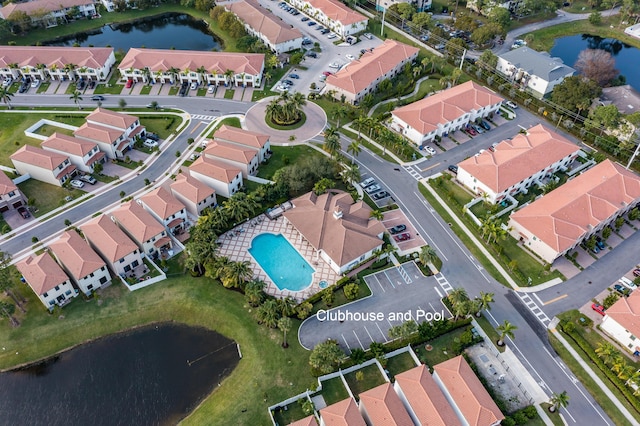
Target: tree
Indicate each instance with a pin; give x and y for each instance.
(322, 185)
(122, 103)
(340, 113)
(236, 273)
(376, 214)
(354, 149)
(488, 59)
(351, 291)
(284, 324)
(500, 16)
(201, 246)
(505, 329)
(455, 46)
(606, 115)
(5, 96)
(154, 105)
(487, 32)
(484, 301)
(254, 292)
(351, 175)
(558, 400)
(326, 356)
(427, 255)
(331, 141)
(287, 306)
(595, 18)
(597, 65)
(268, 313)
(76, 97)
(8, 277)
(240, 206)
(7, 310)
(303, 310)
(575, 90)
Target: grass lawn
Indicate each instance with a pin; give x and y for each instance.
(230, 121)
(228, 94)
(43, 87)
(340, 299)
(331, 106)
(250, 185)
(372, 378)
(442, 348)
(283, 156)
(173, 90)
(46, 197)
(400, 363)
(146, 89)
(48, 130)
(293, 126)
(333, 391)
(70, 90)
(555, 417)
(276, 74)
(102, 89)
(292, 413)
(161, 125)
(490, 331)
(202, 91)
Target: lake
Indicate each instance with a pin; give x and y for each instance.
(627, 57)
(155, 375)
(176, 30)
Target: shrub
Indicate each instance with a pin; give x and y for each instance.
(508, 421)
(530, 412)
(357, 356)
(520, 418)
(351, 291)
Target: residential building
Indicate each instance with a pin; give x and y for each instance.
(622, 322)
(226, 180)
(143, 229)
(334, 15)
(242, 157)
(188, 66)
(536, 71)
(166, 209)
(259, 22)
(342, 232)
(195, 195)
(421, 5)
(516, 164)
(445, 112)
(362, 76)
(10, 196)
(87, 270)
(556, 223)
(114, 132)
(55, 63)
(243, 137)
(42, 165)
(307, 421)
(82, 153)
(113, 245)
(49, 13)
(47, 280)
(381, 406)
(466, 394)
(423, 399)
(342, 413)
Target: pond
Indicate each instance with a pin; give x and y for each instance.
(627, 57)
(155, 375)
(171, 30)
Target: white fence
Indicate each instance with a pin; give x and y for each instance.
(31, 129)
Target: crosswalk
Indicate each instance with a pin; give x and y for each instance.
(203, 117)
(413, 172)
(534, 308)
(444, 284)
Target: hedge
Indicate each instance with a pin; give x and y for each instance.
(333, 288)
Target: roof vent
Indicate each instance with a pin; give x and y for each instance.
(337, 213)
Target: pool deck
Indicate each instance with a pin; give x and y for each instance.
(235, 245)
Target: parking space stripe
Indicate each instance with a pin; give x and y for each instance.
(438, 291)
(365, 329)
(346, 343)
(390, 282)
(354, 333)
(383, 335)
(380, 284)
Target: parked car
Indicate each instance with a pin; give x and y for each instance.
(194, 85)
(150, 143)
(92, 84)
(402, 237)
(288, 82)
(367, 182)
(325, 31)
(311, 23)
(327, 73)
(595, 249)
(430, 150)
(621, 289)
(477, 128)
(211, 88)
(319, 28)
(511, 104)
(183, 89)
(35, 83)
(397, 229)
(23, 88)
(628, 283)
(380, 195)
(331, 36)
(77, 183)
(636, 272)
(128, 85)
(600, 244)
(97, 98)
(485, 125)
(373, 188)
(294, 76)
(598, 308)
(153, 136)
(305, 19)
(453, 168)
(334, 65)
(81, 84)
(350, 57)
(24, 212)
(471, 131)
(312, 54)
(7, 82)
(89, 179)
(368, 36)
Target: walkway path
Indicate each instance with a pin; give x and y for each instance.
(415, 91)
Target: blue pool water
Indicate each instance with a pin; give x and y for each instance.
(282, 262)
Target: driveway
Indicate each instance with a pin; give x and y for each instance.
(399, 294)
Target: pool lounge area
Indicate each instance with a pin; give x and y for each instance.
(236, 243)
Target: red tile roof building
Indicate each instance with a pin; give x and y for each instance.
(47, 280)
(47, 12)
(165, 208)
(195, 195)
(333, 14)
(10, 196)
(42, 165)
(342, 413)
(82, 153)
(245, 138)
(622, 322)
(144, 229)
(381, 406)
(225, 179)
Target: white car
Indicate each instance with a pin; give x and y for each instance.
(430, 150)
(334, 65)
(511, 104)
(367, 182)
(331, 36)
(350, 57)
(7, 82)
(373, 188)
(194, 85)
(77, 183)
(35, 83)
(150, 143)
(369, 36)
(211, 89)
(627, 283)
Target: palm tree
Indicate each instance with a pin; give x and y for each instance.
(254, 292)
(76, 97)
(173, 71)
(505, 329)
(201, 71)
(427, 255)
(268, 313)
(154, 105)
(559, 400)
(606, 351)
(228, 75)
(376, 214)
(354, 149)
(267, 77)
(360, 122)
(235, 273)
(69, 69)
(239, 207)
(287, 306)
(351, 175)
(484, 302)
(339, 113)
(332, 141)
(284, 324)
(5, 96)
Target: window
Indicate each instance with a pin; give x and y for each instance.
(135, 263)
(91, 275)
(103, 280)
(45, 295)
(12, 193)
(121, 260)
(68, 292)
(632, 337)
(90, 286)
(57, 287)
(127, 268)
(102, 269)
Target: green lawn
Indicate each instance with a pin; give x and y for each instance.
(161, 125)
(293, 126)
(276, 74)
(490, 331)
(202, 91)
(173, 90)
(43, 87)
(555, 417)
(283, 156)
(48, 130)
(228, 94)
(399, 364)
(372, 378)
(291, 414)
(331, 106)
(333, 391)
(230, 121)
(250, 186)
(443, 348)
(46, 197)
(102, 89)
(146, 89)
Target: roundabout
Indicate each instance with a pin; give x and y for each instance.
(315, 122)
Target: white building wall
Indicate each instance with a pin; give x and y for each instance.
(36, 173)
(64, 289)
(619, 333)
(148, 247)
(92, 283)
(120, 266)
(222, 188)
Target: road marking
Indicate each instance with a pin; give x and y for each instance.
(552, 300)
(354, 333)
(390, 282)
(383, 335)
(379, 283)
(430, 167)
(534, 308)
(345, 342)
(196, 128)
(438, 291)
(365, 329)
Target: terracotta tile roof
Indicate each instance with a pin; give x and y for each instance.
(161, 242)
(39, 5)
(191, 188)
(68, 144)
(344, 239)
(563, 216)
(241, 136)
(470, 396)
(384, 408)
(110, 118)
(337, 11)
(230, 151)
(626, 312)
(38, 157)
(343, 413)
(76, 255)
(42, 273)
(425, 397)
(140, 224)
(66, 171)
(215, 169)
(98, 156)
(163, 60)
(31, 56)
(515, 160)
(6, 184)
(110, 240)
(441, 108)
(264, 22)
(359, 74)
(162, 203)
(307, 421)
(98, 133)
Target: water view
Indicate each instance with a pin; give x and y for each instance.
(152, 376)
(179, 31)
(627, 57)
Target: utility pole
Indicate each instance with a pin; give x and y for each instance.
(464, 53)
(384, 11)
(633, 157)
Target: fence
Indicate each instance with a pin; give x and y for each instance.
(31, 129)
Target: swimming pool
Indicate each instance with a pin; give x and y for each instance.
(282, 262)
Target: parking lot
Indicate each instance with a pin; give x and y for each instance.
(394, 221)
(379, 195)
(399, 294)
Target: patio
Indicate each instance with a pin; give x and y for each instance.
(236, 243)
